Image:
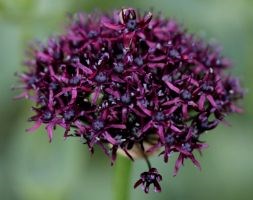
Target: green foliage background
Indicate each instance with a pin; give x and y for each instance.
(31, 168)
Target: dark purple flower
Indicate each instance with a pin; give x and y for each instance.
(128, 81)
(148, 178)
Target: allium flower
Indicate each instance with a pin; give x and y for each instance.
(128, 81)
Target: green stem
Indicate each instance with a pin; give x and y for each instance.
(122, 178)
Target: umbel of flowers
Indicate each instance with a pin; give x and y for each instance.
(127, 81)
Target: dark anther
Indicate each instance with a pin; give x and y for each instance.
(98, 125)
(74, 80)
(47, 116)
(104, 57)
(186, 95)
(218, 62)
(69, 115)
(145, 103)
(75, 59)
(57, 55)
(118, 67)
(125, 98)
(170, 139)
(138, 61)
(92, 34)
(207, 88)
(150, 178)
(186, 147)
(131, 24)
(174, 54)
(159, 116)
(100, 77)
(53, 86)
(42, 99)
(32, 80)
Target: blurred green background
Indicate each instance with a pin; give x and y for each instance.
(31, 168)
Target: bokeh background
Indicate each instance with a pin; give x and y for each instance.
(31, 168)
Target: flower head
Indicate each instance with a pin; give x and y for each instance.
(126, 80)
